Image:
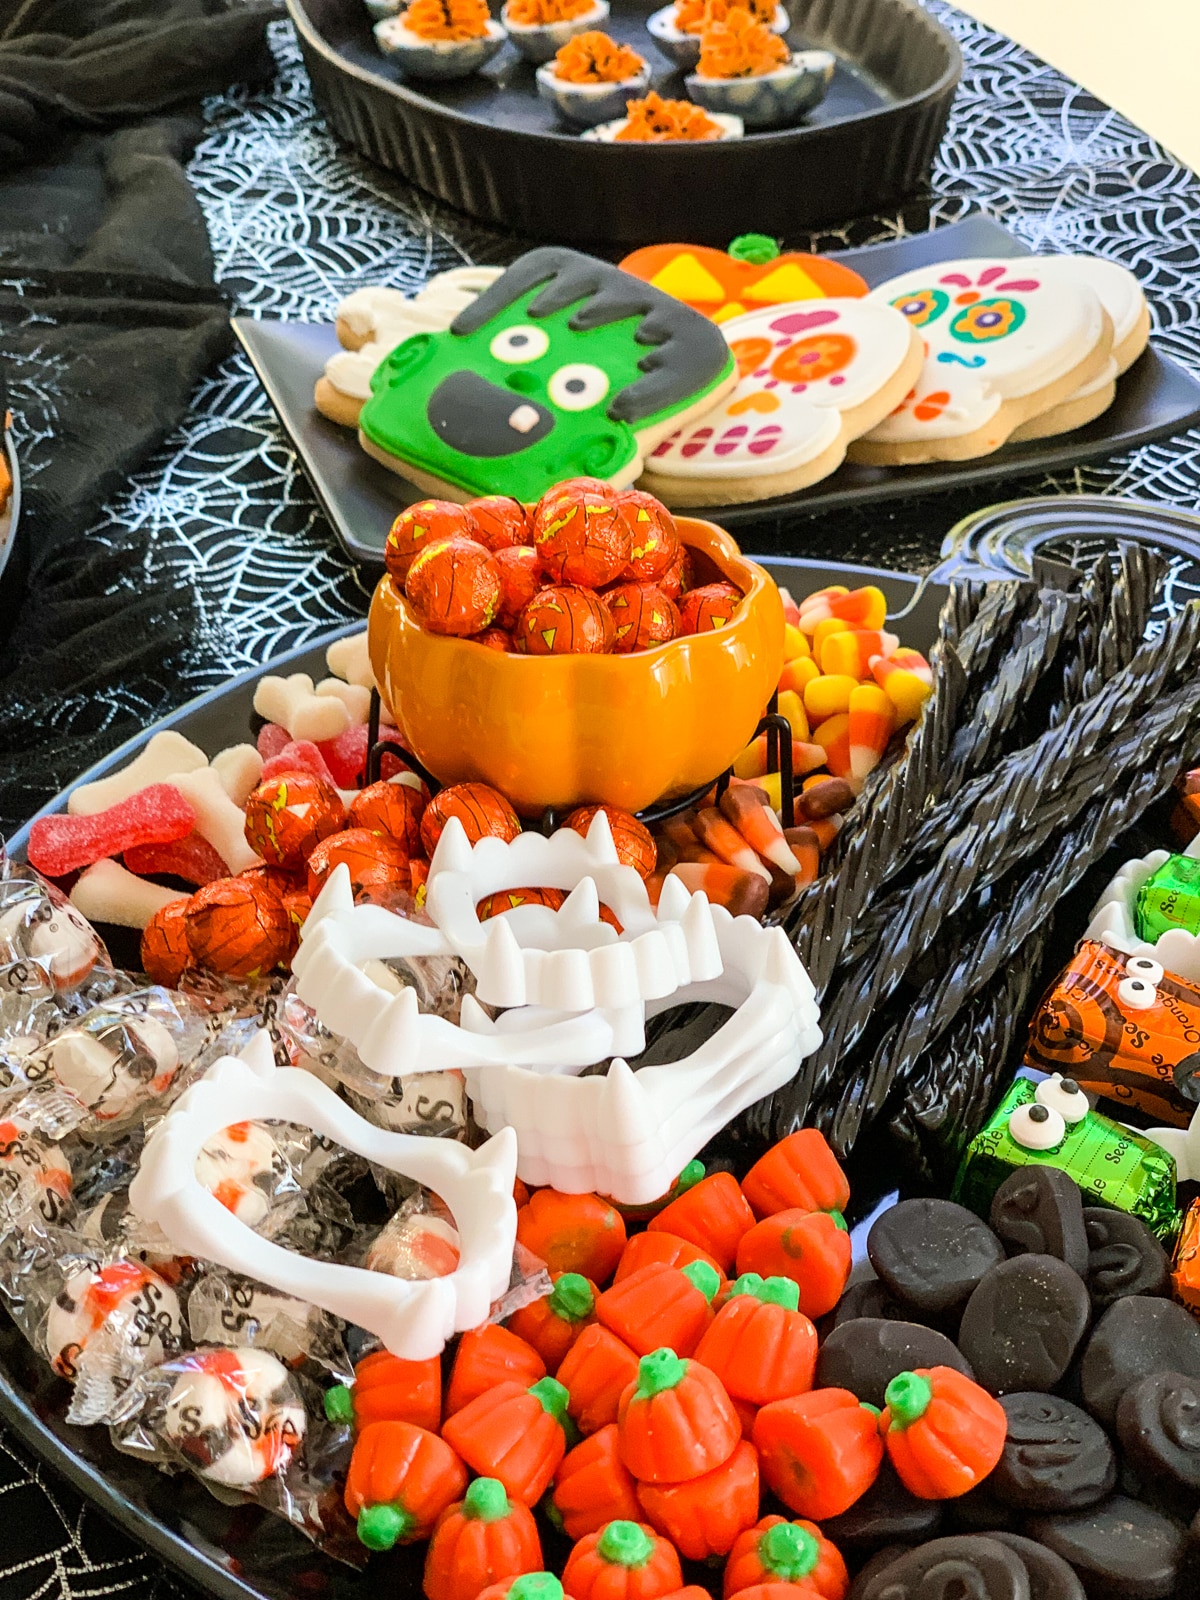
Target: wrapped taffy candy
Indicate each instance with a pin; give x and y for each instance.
(35, 1175)
(1037, 1124)
(121, 1056)
(1122, 1027)
(227, 1308)
(46, 946)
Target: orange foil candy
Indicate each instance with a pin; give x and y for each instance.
(454, 587)
(561, 621)
(237, 928)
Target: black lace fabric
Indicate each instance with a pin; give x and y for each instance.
(176, 542)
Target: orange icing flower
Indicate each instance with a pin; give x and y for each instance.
(692, 16)
(739, 47)
(595, 58)
(655, 121)
(533, 13)
(447, 19)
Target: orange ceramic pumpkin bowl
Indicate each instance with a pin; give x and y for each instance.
(627, 730)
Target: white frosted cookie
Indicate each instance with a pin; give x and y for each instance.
(1121, 296)
(1003, 344)
(812, 376)
(372, 322)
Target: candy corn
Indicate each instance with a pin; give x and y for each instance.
(797, 673)
(824, 630)
(806, 847)
(796, 643)
(833, 735)
(748, 808)
(853, 650)
(792, 707)
(861, 608)
(907, 680)
(872, 723)
(752, 763)
(717, 833)
(742, 893)
(828, 696)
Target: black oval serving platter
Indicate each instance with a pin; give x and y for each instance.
(240, 1552)
(489, 146)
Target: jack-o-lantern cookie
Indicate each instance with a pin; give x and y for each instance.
(812, 376)
(565, 367)
(1003, 344)
(1121, 296)
(749, 275)
(371, 322)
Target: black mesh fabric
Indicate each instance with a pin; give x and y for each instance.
(108, 318)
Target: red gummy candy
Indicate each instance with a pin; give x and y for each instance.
(272, 739)
(193, 859)
(346, 756)
(301, 755)
(155, 815)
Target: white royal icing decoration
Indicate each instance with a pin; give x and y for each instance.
(994, 331)
(801, 366)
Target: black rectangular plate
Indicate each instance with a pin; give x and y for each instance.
(240, 1552)
(1155, 399)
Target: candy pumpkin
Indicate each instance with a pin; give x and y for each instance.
(759, 1344)
(676, 1422)
(690, 1175)
(778, 1551)
(529, 1586)
(647, 1249)
(514, 1435)
(704, 1516)
(551, 1324)
(713, 1215)
(593, 1486)
(944, 1433)
(752, 273)
(388, 1389)
(818, 1451)
(595, 1372)
(810, 1247)
(573, 1233)
(800, 1173)
(623, 1561)
(401, 1479)
(659, 1306)
(482, 1540)
(486, 1356)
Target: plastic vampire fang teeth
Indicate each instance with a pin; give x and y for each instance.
(414, 1319)
(565, 960)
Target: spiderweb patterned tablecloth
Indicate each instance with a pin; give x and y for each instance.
(224, 511)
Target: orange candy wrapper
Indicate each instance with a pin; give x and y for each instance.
(1119, 1036)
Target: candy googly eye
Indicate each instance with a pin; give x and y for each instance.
(1145, 968)
(1037, 1127)
(1064, 1096)
(525, 343)
(1136, 994)
(577, 386)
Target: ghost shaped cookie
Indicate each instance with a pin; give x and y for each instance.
(813, 375)
(1004, 343)
(564, 367)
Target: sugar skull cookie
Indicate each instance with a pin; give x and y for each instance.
(812, 376)
(371, 322)
(1121, 296)
(564, 367)
(1003, 343)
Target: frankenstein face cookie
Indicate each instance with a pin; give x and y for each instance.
(812, 376)
(564, 367)
(1004, 343)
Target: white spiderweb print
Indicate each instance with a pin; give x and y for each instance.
(297, 222)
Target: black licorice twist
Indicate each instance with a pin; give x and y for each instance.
(1093, 605)
(1139, 576)
(1033, 900)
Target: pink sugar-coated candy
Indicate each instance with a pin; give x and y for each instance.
(346, 756)
(192, 859)
(272, 739)
(301, 755)
(155, 815)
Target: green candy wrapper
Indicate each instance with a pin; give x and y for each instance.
(1112, 1164)
(1169, 898)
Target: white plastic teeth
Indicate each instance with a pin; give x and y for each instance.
(628, 1133)
(1113, 922)
(577, 994)
(413, 1318)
